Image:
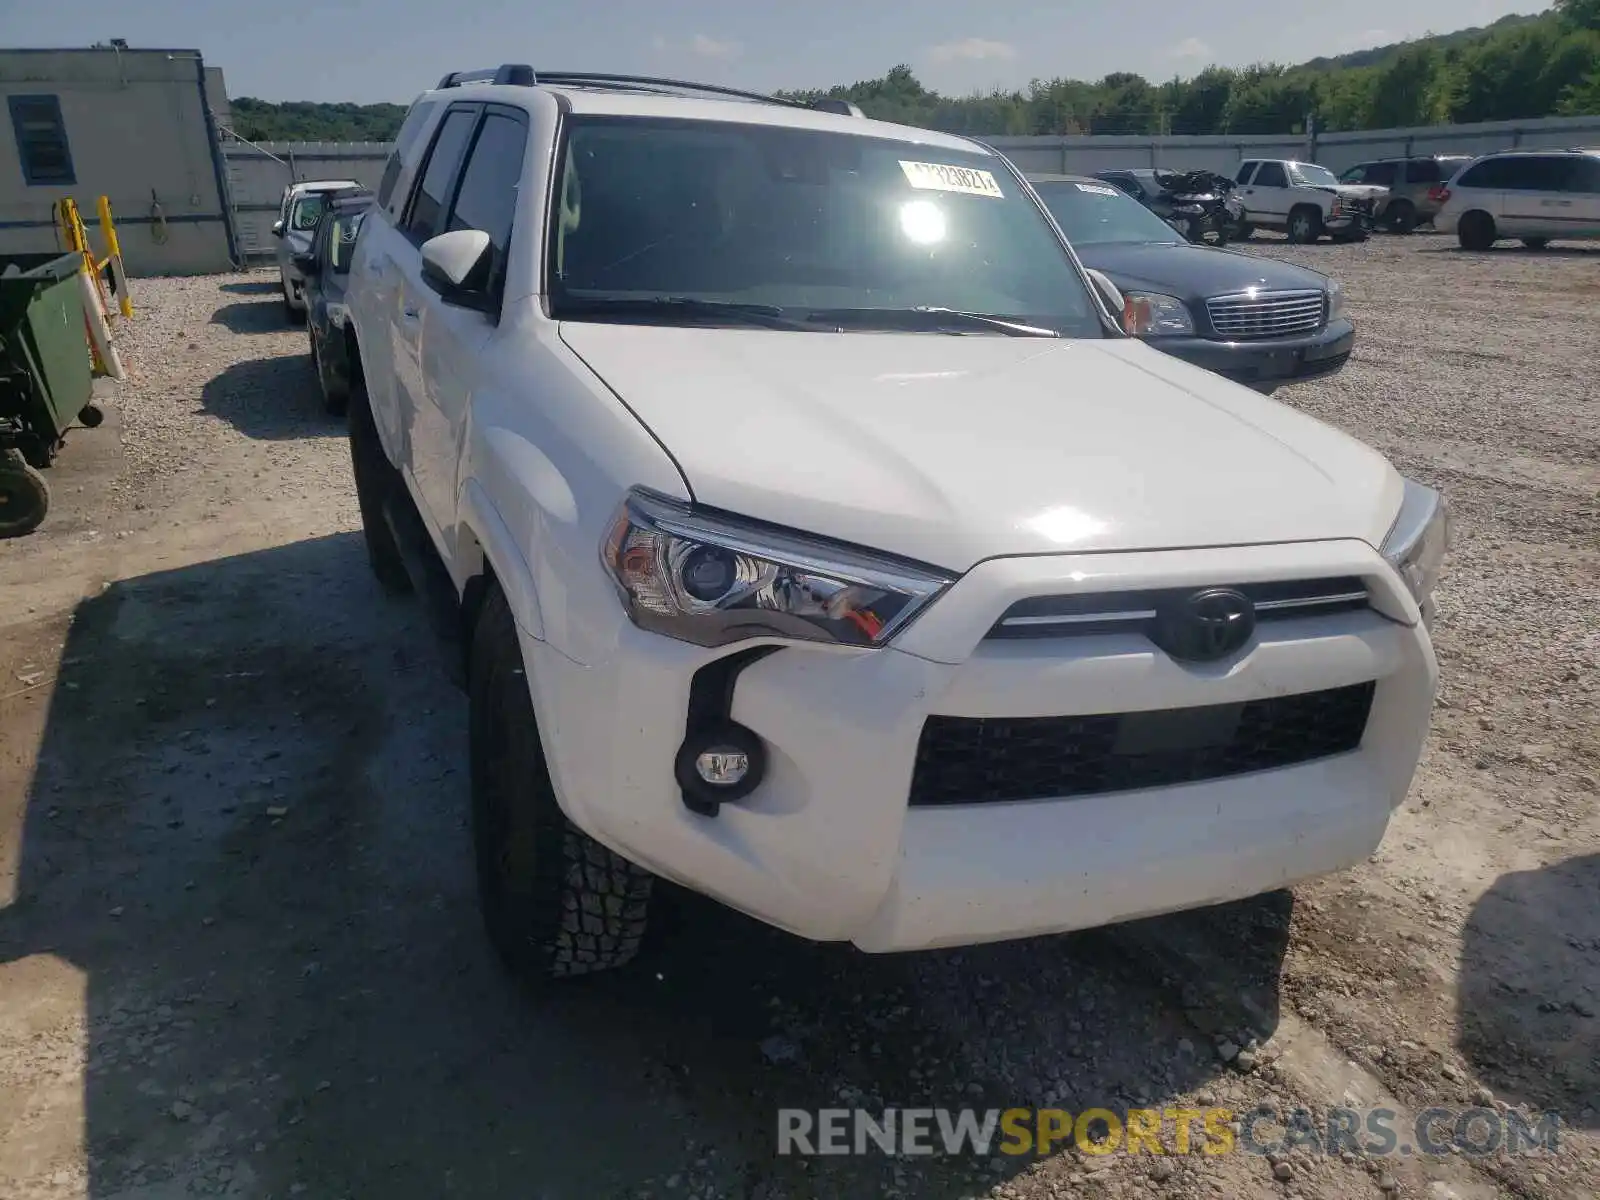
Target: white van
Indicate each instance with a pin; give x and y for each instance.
(1537, 196)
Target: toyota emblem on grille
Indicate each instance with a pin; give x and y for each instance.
(1207, 625)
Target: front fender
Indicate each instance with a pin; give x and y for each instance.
(503, 556)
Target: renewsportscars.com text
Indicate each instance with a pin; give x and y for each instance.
(1377, 1132)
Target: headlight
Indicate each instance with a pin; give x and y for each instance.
(1150, 314)
(1335, 299)
(1417, 542)
(714, 580)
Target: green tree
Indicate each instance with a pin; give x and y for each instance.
(1411, 90)
(1585, 14)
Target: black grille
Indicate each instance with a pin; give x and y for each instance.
(966, 760)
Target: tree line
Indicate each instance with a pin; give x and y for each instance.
(1518, 68)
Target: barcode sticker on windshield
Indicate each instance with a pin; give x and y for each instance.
(1099, 189)
(936, 177)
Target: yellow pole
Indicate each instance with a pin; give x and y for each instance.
(114, 255)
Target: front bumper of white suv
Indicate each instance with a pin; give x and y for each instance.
(964, 785)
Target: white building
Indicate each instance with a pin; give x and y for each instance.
(139, 126)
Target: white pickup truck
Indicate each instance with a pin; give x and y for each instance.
(806, 530)
(1304, 201)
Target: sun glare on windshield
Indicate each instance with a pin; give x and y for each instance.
(922, 222)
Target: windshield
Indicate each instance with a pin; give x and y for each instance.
(681, 221)
(1093, 213)
(1312, 175)
(307, 211)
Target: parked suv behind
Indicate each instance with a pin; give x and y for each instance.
(809, 534)
(1536, 196)
(1412, 185)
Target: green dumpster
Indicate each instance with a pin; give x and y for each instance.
(45, 378)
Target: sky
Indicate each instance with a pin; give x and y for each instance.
(370, 50)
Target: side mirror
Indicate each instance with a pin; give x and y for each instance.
(277, 229)
(456, 265)
(1108, 292)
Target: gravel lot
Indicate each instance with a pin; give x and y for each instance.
(239, 949)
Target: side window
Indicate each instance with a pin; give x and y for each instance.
(1584, 174)
(487, 198)
(41, 140)
(1424, 170)
(410, 130)
(432, 196)
(1479, 176)
(1534, 174)
(1355, 174)
(1244, 172)
(341, 242)
(1272, 174)
(1382, 174)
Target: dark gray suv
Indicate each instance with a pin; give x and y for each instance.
(1409, 181)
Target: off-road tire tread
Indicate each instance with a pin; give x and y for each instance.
(576, 907)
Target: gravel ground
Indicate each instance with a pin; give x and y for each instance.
(241, 953)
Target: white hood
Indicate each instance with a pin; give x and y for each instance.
(954, 449)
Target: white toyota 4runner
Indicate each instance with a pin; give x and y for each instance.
(808, 533)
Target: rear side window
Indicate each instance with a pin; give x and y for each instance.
(1584, 175)
(1380, 173)
(432, 197)
(1271, 174)
(410, 130)
(1424, 170)
(487, 198)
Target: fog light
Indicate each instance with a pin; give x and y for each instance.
(722, 766)
(718, 765)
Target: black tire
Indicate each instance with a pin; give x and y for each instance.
(1476, 231)
(555, 902)
(1243, 231)
(375, 481)
(91, 416)
(24, 496)
(335, 397)
(1305, 225)
(291, 314)
(1535, 243)
(1400, 217)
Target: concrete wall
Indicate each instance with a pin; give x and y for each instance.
(137, 126)
(1336, 151)
(258, 173)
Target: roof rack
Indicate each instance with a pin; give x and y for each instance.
(522, 75)
(516, 74)
(657, 83)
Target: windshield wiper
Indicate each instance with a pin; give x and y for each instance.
(928, 317)
(769, 316)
